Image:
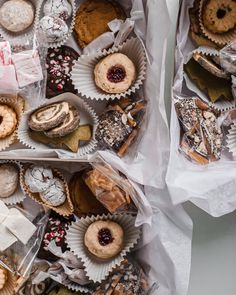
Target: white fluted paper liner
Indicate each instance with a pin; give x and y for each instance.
(231, 139)
(220, 105)
(17, 105)
(64, 209)
(220, 38)
(70, 23)
(24, 35)
(78, 288)
(10, 284)
(87, 116)
(97, 270)
(18, 196)
(82, 73)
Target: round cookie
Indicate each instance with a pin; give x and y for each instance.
(219, 16)
(115, 73)
(9, 177)
(53, 28)
(8, 120)
(55, 194)
(92, 18)
(59, 64)
(60, 8)
(104, 239)
(17, 15)
(38, 178)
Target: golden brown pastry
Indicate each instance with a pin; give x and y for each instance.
(92, 18)
(106, 190)
(3, 277)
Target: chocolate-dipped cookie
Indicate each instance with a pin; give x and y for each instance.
(59, 65)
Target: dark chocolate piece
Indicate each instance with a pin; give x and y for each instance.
(59, 65)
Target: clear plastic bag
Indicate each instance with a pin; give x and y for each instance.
(23, 244)
(228, 58)
(201, 133)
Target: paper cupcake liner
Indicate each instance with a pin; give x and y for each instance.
(24, 35)
(65, 209)
(70, 23)
(11, 280)
(97, 270)
(231, 139)
(18, 196)
(82, 73)
(17, 106)
(89, 117)
(221, 38)
(78, 288)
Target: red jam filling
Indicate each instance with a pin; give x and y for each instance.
(116, 74)
(105, 237)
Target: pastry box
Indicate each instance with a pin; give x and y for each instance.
(202, 162)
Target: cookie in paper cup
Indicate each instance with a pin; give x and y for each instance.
(98, 268)
(87, 117)
(17, 196)
(207, 60)
(10, 283)
(65, 209)
(82, 73)
(219, 38)
(69, 22)
(25, 34)
(11, 112)
(231, 139)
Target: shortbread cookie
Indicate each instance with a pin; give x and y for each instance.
(115, 73)
(219, 16)
(8, 120)
(16, 15)
(92, 19)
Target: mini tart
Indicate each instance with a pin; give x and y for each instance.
(104, 239)
(48, 117)
(219, 16)
(115, 73)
